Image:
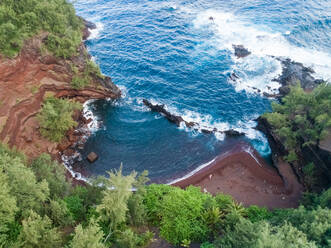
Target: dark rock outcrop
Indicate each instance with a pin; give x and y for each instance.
(294, 73)
(87, 27)
(275, 143)
(240, 51)
(159, 108)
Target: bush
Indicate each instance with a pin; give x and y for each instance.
(129, 239)
(181, 216)
(55, 118)
(38, 232)
(59, 213)
(79, 82)
(89, 237)
(76, 207)
(153, 201)
(255, 213)
(325, 199)
(316, 223)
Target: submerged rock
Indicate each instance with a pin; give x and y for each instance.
(92, 157)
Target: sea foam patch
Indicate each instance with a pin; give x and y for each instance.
(96, 32)
(264, 44)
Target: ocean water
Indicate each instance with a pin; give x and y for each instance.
(174, 53)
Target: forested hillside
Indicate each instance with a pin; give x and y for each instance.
(40, 208)
(20, 20)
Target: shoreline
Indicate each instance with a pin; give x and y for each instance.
(243, 174)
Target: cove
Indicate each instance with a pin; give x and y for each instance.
(172, 53)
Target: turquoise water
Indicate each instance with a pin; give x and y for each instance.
(172, 52)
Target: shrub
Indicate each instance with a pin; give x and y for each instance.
(181, 216)
(325, 199)
(59, 213)
(89, 237)
(38, 232)
(154, 200)
(316, 223)
(55, 118)
(262, 234)
(76, 207)
(255, 213)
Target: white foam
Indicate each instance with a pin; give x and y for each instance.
(192, 172)
(250, 152)
(229, 29)
(67, 163)
(256, 74)
(95, 32)
(95, 124)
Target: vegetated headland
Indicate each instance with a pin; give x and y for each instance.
(46, 74)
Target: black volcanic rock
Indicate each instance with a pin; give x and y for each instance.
(87, 27)
(293, 73)
(159, 108)
(233, 133)
(240, 51)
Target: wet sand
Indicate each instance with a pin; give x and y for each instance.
(242, 173)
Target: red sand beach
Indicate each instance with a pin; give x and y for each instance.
(245, 175)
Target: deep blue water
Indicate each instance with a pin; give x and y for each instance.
(171, 52)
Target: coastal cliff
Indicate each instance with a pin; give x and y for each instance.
(319, 154)
(32, 76)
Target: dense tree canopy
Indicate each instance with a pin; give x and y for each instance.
(23, 19)
(302, 118)
(38, 207)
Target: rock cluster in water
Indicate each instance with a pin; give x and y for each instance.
(159, 108)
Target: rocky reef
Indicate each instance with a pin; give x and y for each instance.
(160, 108)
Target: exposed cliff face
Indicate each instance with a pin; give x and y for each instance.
(306, 154)
(293, 73)
(30, 77)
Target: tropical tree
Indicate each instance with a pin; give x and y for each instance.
(89, 237)
(38, 232)
(114, 205)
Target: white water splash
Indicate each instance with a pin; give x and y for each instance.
(95, 32)
(264, 44)
(193, 172)
(88, 114)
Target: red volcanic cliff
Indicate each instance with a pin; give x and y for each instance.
(30, 77)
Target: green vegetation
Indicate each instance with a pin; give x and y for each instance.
(38, 207)
(302, 118)
(20, 20)
(55, 118)
(82, 79)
